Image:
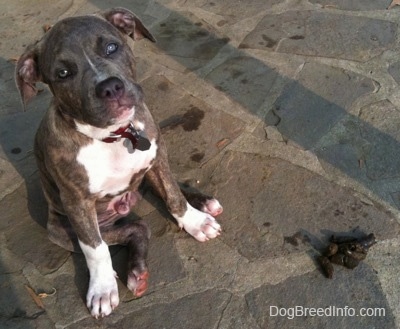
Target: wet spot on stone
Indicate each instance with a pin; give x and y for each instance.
(290, 239)
(163, 86)
(16, 150)
(192, 119)
(221, 23)
(236, 74)
(201, 33)
(220, 88)
(189, 121)
(197, 157)
(269, 42)
(338, 212)
(297, 37)
(296, 239)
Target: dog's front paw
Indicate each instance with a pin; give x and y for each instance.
(102, 296)
(201, 225)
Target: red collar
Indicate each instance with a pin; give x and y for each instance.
(138, 139)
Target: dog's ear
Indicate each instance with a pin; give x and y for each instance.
(27, 74)
(128, 23)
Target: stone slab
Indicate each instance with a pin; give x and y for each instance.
(24, 235)
(236, 315)
(379, 125)
(394, 71)
(185, 118)
(188, 40)
(24, 25)
(359, 5)
(313, 290)
(246, 80)
(314, 33)
(9, 98)
(17, 132)
(231, 12)
(384, 258)
(309, 107)
(197, 311)
(345, 150)
(17, 309)
(276, 208)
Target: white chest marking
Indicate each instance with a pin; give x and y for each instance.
(110, 166)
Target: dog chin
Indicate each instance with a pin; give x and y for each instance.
(124, 115)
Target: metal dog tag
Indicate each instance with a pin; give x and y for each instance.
(129, 145)
(143, 144)
(135, 140)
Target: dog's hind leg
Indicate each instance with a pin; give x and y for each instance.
(135, 235)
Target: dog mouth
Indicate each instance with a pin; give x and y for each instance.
(123, 113)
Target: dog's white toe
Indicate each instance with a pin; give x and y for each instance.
(102, 296)
(202, 226)
(212, 207)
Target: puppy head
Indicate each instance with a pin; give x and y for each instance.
(88, 65)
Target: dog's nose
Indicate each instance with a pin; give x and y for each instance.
(110, 89)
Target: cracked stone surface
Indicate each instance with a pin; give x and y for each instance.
(394, 70)
(184, 37)
(289, 210)
(353, 5)
(308, 108)
(315, 33)
(286, 111)
(238, 77)
(380, 121)
(339, 292)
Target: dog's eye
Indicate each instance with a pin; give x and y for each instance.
(62, 74)
(111, 48)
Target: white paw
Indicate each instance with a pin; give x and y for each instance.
(102, 296)
(202, 226)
